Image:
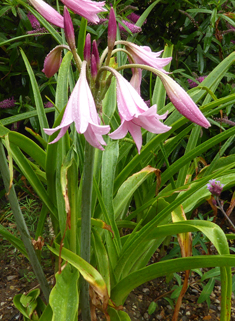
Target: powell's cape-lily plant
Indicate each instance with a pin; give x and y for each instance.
(88, 160)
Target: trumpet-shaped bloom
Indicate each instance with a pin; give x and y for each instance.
(81, 110)
(49, 13)
(182, 101)
(145, 56)
(86, 8)
(134, 113)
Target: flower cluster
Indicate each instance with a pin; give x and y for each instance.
(215, 187)
(193, 84)
(35, 24)
(8, 103)
(95, 78)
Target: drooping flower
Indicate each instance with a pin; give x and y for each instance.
(49, 13)
(7, 103)
(182, 101)
(86, 8)
(215, 187)
(145, 56)
(134, 113)
(53, 60)
(81, 110)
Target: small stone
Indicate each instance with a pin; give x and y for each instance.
(213, 307)
(146, 316)
(146, 290)
(11, 277)
(138, 314)
(169, 307)
(217, 301)
(188, 313)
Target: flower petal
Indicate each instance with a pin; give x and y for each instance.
(86, 8)
(49, 13)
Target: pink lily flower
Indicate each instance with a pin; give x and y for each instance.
(182, 101)
(49, 13)
(145, 56)
(82, 111)
(86, 8)
(134, 113)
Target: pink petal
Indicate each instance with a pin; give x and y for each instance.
(182, 101)
(86, 8)
(49, 13)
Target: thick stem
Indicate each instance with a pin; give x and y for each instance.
(22, 227)
(87, 182)
(73, 195)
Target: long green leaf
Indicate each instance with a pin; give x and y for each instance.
(177, 165)
(33, 180)
(128, 188)
(37, 97)
(64, 297)
(26, 144)
(90, 274)
(133, 280)
(61, 97)
(13, 240)
(22, 116)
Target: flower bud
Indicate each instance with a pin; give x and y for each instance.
(95, 52)
(52, 61)
(112, 29)
(93, 67)
(68, 29)
(87, 49)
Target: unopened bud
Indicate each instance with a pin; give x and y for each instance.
(68, 29)
(112, 29)
(87, 48)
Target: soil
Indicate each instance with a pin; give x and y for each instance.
(16, 277)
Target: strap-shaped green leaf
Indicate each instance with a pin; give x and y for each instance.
(37, 97)
(13, 240)
(64, 298)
